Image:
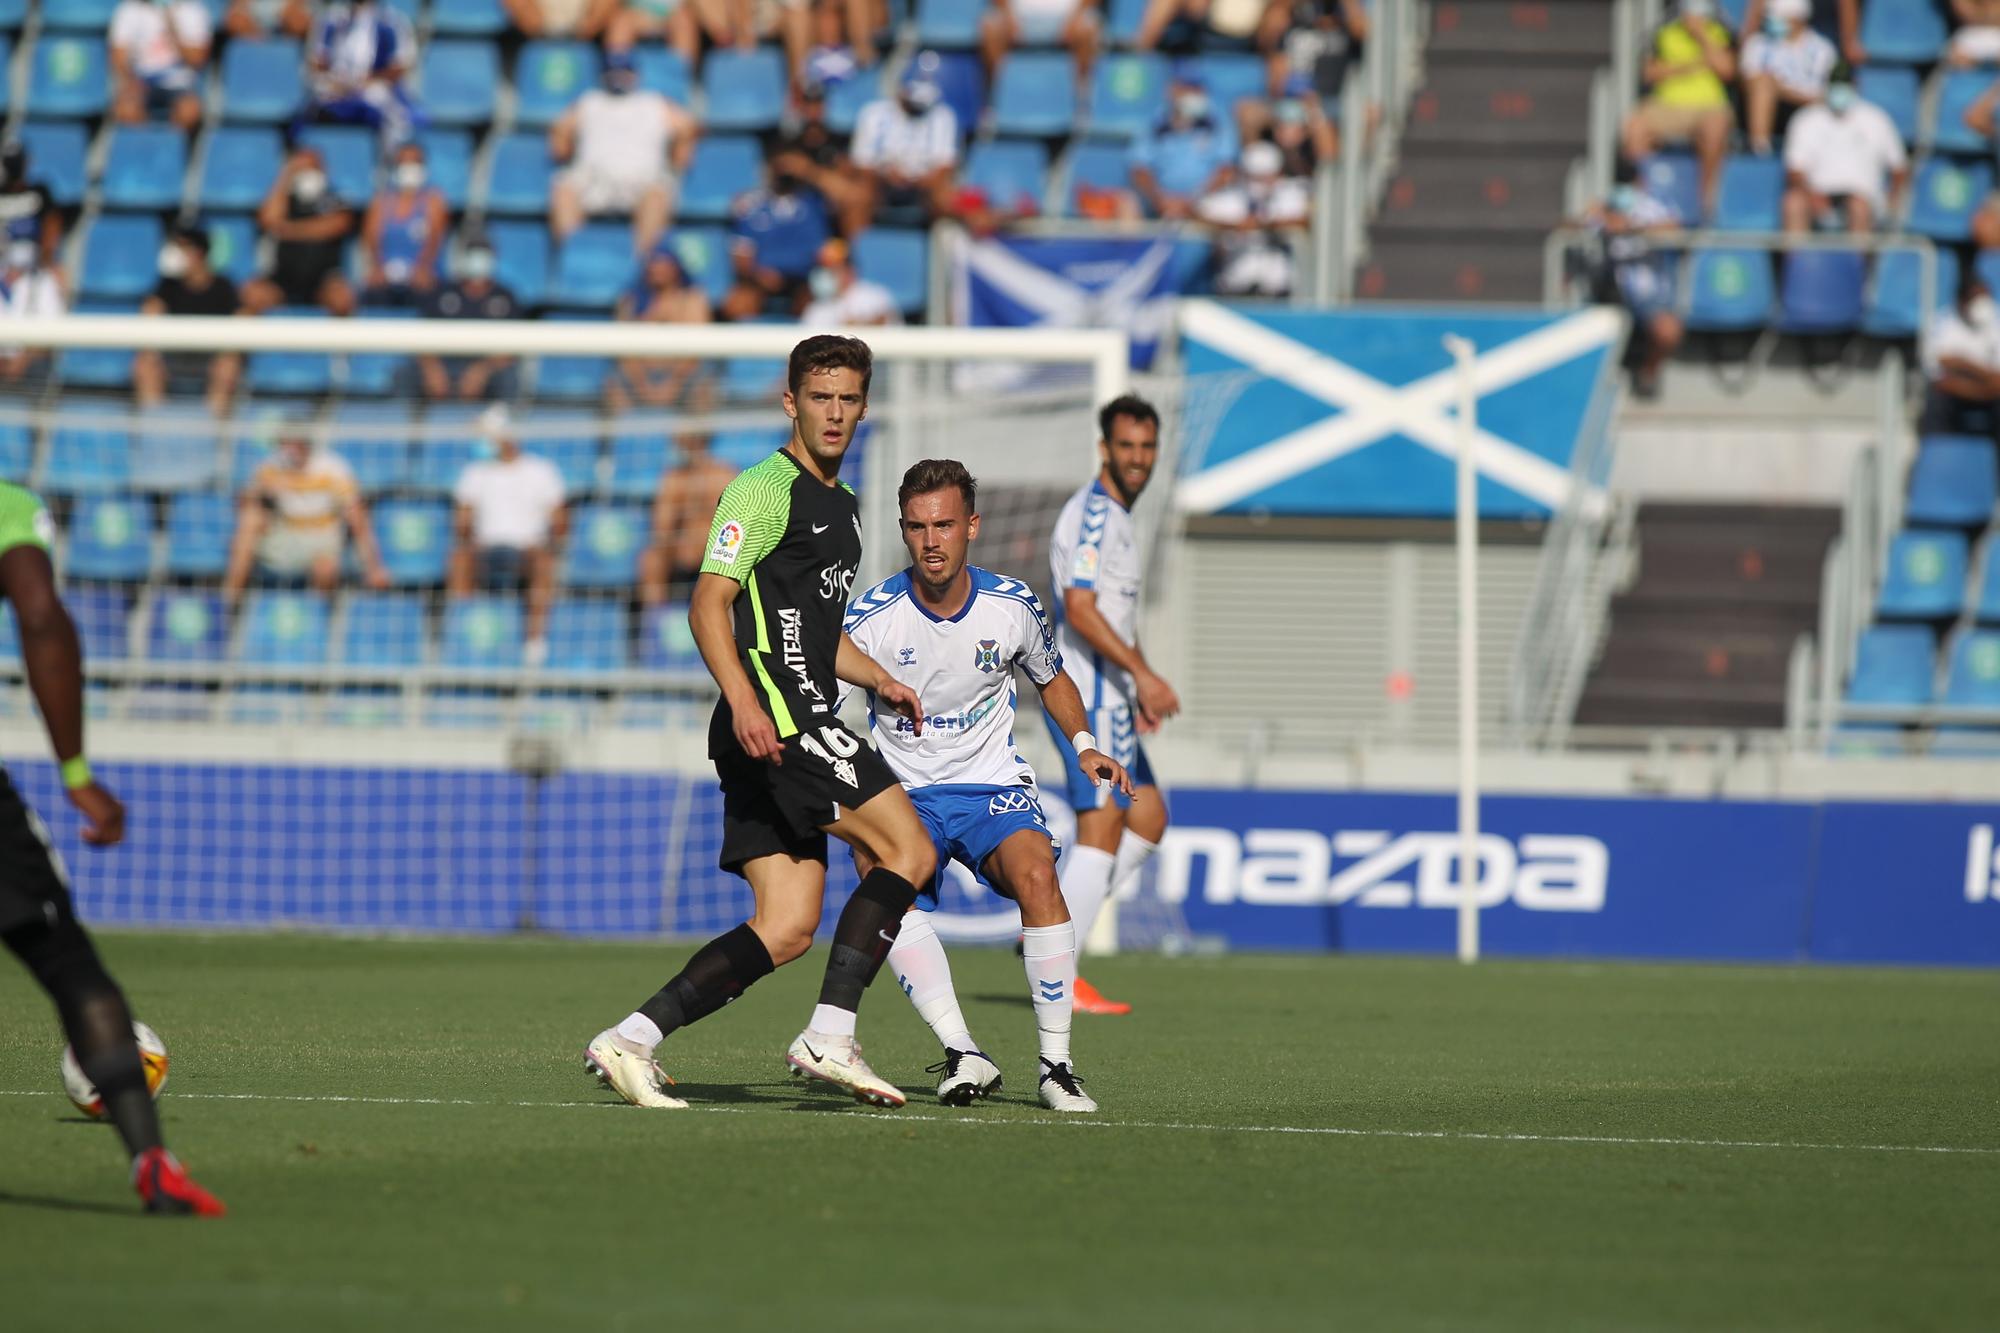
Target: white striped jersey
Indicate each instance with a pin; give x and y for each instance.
(1096, 546)
(962, 669)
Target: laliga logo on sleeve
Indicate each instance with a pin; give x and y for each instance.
(727, 542)
(987, 655)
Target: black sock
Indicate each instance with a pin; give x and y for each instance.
(720, 970)
(861, 939)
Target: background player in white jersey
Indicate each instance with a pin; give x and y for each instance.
(1096, 561)
(955, 633)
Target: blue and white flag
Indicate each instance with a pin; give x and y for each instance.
(1116, 282)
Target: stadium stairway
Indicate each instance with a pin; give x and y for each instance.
(1702, 637)
(1504, 109)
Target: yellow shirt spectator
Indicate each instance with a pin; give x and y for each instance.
(311, 497)
(1696, 85)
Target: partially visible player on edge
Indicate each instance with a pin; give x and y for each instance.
(1096, 561)
(956, 632)
(784, 547)
(37, 919)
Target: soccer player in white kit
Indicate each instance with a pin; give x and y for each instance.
(955, 633)
(1096, 561)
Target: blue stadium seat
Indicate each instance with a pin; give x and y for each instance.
(177, 448)
(949, 23)
(78, 15)
(238, 166)
(1953, 483)
(1944, 197)
(1123, 20)
(232, 245)
(285, 629)
(110, 538)
(662, 70)
(94, 367)
(380, 462)
(1894, 89)
(461, 80)
(1893, 664)
(86, 458)
(199, 527)
(121, 256)
(67, 78)
(144, 167)
(900, 261)
(1009, 170)
(745, 89)
(1234, 76)
(187, 626)
(385, 629)
(1035, 95)
(1127, 94)
(1986, 601)
(704, 256)
(1749, 195)
(1957, 90)
(1925, 578)
(469, 18)
(482, 632)
(1905, 32)
(290, 373)
(260, 80)
(594, 265)
(589, 635)
(604, 546)
(1821, 292)
(17, 453)
(13, 13)
(665, 641)
(443, 456)
(522, 251)
(449, 154)
(845, 99)
(415, 537)
(56, 152)
(1895, 293)
(371, 374)
(572, 379)
(1098, 165)
(724, 166)
(103, 621)
(575, 453)
(1972, 673)
(637, 460)
(549, 76)
(1729, 291)
(747, 379)
(349, 151)
(962, 79)
(521, 171)
(1674, 179)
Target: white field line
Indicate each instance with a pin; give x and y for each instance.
(976, 1121)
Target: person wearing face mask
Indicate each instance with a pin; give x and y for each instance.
(1296, 124)
(189, 285)
(1839, 21)
(294, 518)
(1687, 74)
(841, 297)
(158, 49)
(510, 517)
(1189, 154)
(1633, 268)
(1785, 67)
(1844, 162)
(625, 146)
(1251, 215)
(906, 147)
(776, 234)
(1317, 40)
(311, 226)
(403, 232)
(475, 294)
(662, 295)
(356, 62)
(27, 291)
(1961, 362)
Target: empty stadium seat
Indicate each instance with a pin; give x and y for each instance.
(1097, 165)
(548, 77)
(1957, 90)
(67, 78)
(662, 70)
(1821, 292)
(1944, 197)
(187, 626)
(745, 90)
(383, 629)
(371, 374)
(572, 379)
(704, 256)
(449, 155)
(900, 261)
(290, 372)
(461, 80)
(724, 167)
(200, 525)
(962, 80)
(471, 18)
(357, 432)
(1750, 194)
(56, 152)
(285, 629)
(17, 452)
(1893, 664)
(1895, 291)
(588, 636)
(1127, 94)
(260, 80)
(121, 256)
(521, 175)
(78, 15)
(751, 378)
(1972, 671)
(1123, 20)
(845, 99)
(238, 165)
(103, 619)
(1232, 77)
(13, 13)
(1925, 577)
(1674, 179)
(1986, 601)
(87, 455)
(1909, 32)
(95, 367)
(440, 459)
(637, 460)
(1894, 89)
(1729, 291)
(593, 266)
(482, 633)
(952, 23)
(575, 454)
(1035, 95)
(349, 151)
(179, 449)
(1953, 483)
(144, 167)
(1009, 171)
(521, 251)
(666, 643)
(111, 538)
(415, 537)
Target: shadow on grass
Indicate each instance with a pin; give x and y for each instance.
(9, 1200)
(1011, 997)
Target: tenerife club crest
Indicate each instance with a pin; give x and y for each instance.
(987, 655)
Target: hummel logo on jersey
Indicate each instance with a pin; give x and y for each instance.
(906, 657)
(820, 527)
(987, 655)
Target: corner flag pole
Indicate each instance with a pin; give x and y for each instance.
(1467, 532)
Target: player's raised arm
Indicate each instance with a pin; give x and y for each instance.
(858, 668)
(1156, 699)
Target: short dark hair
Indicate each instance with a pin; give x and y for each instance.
(1125, 405)
(830, 351)
(938, 474)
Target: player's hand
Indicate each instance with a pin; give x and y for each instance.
(1157, 701)
(103, 816)
(1103, 768)
(757, 734)
(904, 700)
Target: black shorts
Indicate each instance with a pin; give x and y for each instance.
(33, 886)
(770, 808)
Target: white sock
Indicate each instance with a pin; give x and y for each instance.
(917, 958)
(832, 1021)
(1133, 853)
(1049, 953)
(1086, 881)
(641, 1031)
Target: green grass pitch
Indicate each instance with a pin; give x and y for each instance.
(407, 1140)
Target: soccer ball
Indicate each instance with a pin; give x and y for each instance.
(152, 1053)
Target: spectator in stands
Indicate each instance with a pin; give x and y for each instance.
(27, 291)
(263, 18)
(830, 58)
(359, 55)
(403, 232)
(158, 49)
(778, 232)
(475, 295)
(585, 20)
(662, 295)
(625, 146)
(841, 297)
(1844, 162)
(1185, 26)
(1687, 73)
(293, 521)
(683, 509)
(1296, 123)
(26, 207)
(311, 225)
(1317, 40)
(511, 518)
(1845, 28)
(677, 22)
(1252, 214)
(806, 147)
(1191, 153)
(1961, 359)
(1981, 117)
(1785, 67)
(907, 148)
(189, 285)
(1977, 39)
(1630, 267)
(1075, 24)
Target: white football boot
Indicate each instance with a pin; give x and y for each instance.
(634, 1077)
(837, 1060)
(1062, 1090)
(965, 1077)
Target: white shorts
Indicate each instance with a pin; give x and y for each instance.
(1978, 46)
(290, 549)
(603, 192)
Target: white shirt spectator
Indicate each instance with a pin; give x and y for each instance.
(623, 136)
(139, 29)
(1802, 63)
(863, 302)
(1845, 154)
(512, 500)
(1973, 337)
(885, 135)
(34, 294)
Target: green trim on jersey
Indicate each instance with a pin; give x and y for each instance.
(751, 518)
(24, 520)
(780, 713)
